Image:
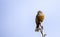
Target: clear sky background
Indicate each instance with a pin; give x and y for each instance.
(17, 17)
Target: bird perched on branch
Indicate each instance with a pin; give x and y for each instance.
(39, 19)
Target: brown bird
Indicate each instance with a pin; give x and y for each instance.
(39, 19)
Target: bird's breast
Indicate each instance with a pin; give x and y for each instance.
(41, 17)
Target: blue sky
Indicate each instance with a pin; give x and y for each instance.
(17, 17)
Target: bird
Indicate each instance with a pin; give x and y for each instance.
(39, 19)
